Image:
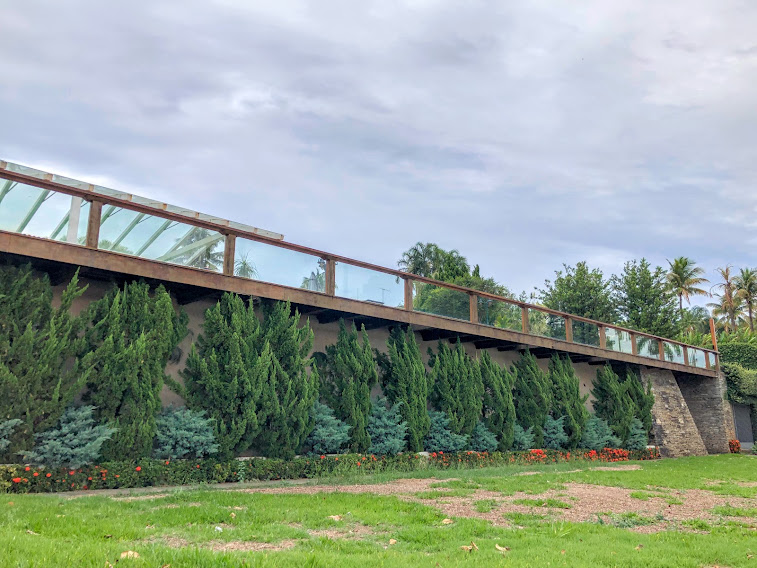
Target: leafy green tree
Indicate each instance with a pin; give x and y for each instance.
(582, 292)
(457, 387)
(41, 370)
(532, 396)
(133, 334)
(329, 434)
(76, 441)
(440, 438)
(482, 439)
(183, 432)
(612, 402)
(684, 277)
(645, 300)
(567, 401)
(637, 439)
(555, 437)
(348, 373)
(230, 374)
(431, 261)
(523, 439)
(386, 429)
(746, 289)
(598, 435)
(404, 380)
(293, 389)
(497, 408)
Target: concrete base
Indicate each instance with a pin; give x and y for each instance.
(675, 431)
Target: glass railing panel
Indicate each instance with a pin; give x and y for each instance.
(497, 313)
(673, 352)
(696, 357)
(585, 333)
(618, 340)
(367, 285)
(647, 347)
(711, 357)
(278, 265)
(156, 238)
(546, 324)
(441, 301)
(40, 212)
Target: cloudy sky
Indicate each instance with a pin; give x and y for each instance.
(524, 134)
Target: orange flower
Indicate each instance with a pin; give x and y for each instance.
(35, 474)
(48, 475)
(27, 468)
(16, 480)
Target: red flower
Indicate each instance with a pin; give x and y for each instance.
(167, 463)
(358, 464)
(27, 468)
(35, 474)
(138, 468)
(85, 487)
(323, 457)
(198, 466)
(16, 480)
(48, 475)
(336, 459)
(118, 475)
(89, 479)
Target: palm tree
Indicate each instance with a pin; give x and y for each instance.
(422, 259)
(746, 289)
(728, 313)
(683, 277)
(245, 268)
(729, 306)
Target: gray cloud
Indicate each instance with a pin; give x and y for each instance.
(522, 134)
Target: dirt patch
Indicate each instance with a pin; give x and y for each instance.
(356, 532)
(231, 545)
(149, 497)
(629, 467)
(398, 487)
(524, 473)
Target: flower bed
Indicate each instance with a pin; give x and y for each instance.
(151, 472)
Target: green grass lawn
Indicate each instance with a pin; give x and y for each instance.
(180, 528)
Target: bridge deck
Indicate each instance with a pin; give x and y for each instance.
(70, 223)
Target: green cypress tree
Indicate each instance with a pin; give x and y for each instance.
(598, 435)
(293, 389)
(386, 429)
(643, 400)
(226, 372)
(329, 434)
(405, 380)
(133, 334)
(498, 408)
(457, 387)
(347, 375)
(612, 402)
(40, 372)
(567, 401)
(532, 396)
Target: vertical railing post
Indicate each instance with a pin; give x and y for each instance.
(229, 250)
(408, 294)
(474, 308)
(661, 343)
(569, 329)
(707, 360)
(524, 319)
(685, 355)
(634, 350)
(93, 224)
(330, 277)
(602, 337)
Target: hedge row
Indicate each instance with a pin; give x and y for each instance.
(151, 472)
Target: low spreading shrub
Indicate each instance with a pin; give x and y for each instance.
(734, 446)
(153, 472)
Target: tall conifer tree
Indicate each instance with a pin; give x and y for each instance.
(612, 402)
(37, 342)
(456, 387)
(567, 402)
(405, 380)
(498, 408)
(532, 396)
(347, 376)
(132, 335)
